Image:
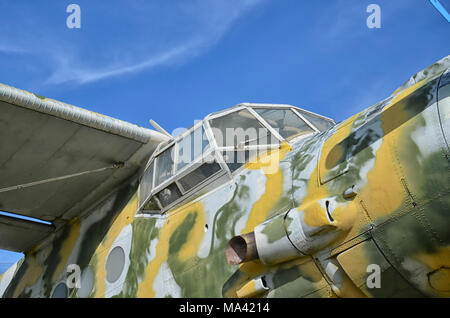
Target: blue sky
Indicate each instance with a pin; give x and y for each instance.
(176, 61)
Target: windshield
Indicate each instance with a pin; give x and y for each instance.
(285, 121)
(191, 147)
(320, 123)
(164, 166)
(205, 153)
(239, 129)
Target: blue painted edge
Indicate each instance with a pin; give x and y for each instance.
(21, 217)
(441, 9)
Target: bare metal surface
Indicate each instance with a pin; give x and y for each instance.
(241, 249)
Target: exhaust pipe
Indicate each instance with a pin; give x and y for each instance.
(269, 243)
(241, 249)
(284, 237)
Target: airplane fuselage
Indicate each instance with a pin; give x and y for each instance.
(358, 210)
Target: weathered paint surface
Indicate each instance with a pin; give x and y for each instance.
(393, 155)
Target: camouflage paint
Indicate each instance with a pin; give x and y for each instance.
(393, 154)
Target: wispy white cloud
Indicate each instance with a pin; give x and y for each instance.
(210, 22)
(347, 21)
(11, 49)
(150, 34)
(68, 71)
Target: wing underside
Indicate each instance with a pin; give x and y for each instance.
(42, 140)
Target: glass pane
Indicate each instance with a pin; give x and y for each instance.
(240, 129)
(151, 205)
(164, 166)
(169, 195)
(146, 183)
(235, 159)
(285, 121)
(192, 147)
(199, 175)
(318, 122)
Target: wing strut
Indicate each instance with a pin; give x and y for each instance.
(79, 174)
(160, 129)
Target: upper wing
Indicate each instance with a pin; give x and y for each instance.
(42, 140)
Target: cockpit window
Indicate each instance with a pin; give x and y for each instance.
(178, 169)
(285, 121)
(191, 147)
(210, 152)
(241, 137)
(199, 175)
(147, 182)
(239, 129)
(164, 166)
(320, 123)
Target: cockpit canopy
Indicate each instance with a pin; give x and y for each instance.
(214, 149)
